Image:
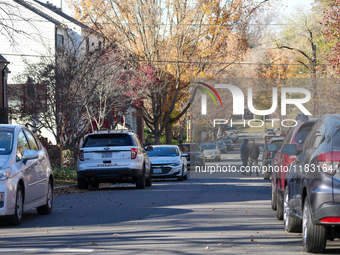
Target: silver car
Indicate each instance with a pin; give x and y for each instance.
(211, 151)
(26, 178)
(167, 162)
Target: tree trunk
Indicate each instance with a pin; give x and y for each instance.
(157, 138)
(168, 133)
(61, 156)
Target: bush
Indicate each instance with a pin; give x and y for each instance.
(65, 174)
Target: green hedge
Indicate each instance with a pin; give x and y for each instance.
(65, 174)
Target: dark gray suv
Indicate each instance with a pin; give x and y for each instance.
(312, 193)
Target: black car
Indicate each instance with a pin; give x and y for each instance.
(222, 147)
(229, 143)
(193, 153)
(312, 193)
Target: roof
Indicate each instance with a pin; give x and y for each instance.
(37, 11)
(60, 13)
(3, 60)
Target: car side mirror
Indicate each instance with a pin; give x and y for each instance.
(289, 149)
(29, 155)
(271, 147)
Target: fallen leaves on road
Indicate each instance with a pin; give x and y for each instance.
(207, 247)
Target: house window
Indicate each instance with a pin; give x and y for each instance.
(60, 40)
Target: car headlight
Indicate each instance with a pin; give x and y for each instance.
(175, 164)
(5, 173)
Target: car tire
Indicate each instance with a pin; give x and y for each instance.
(273, 199)
(279, 206)
(266, 175)
(148, 181)
(19, 206)
(95, 185)
(314, 236)
(186, 176)
(82, 184)
(47, 208)
(291, 224)
(218, 159)
(140, 182)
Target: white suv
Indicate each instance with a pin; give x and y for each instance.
(113, 156)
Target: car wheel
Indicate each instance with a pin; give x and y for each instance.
(19, 205)
(218, 159)
(273, 201)
(148, 182)
(186, 176)
(47, 208)
(279, 206)
(314, 236)
(95, 185)
(82, 184)
(291, 224)
(140, 183)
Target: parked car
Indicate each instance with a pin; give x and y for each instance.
(26, 178)
(167, 161)
(229, 144)
(267, 156)
(232, 135)
(231, 128)
(193, 153)
(312, 193)
(295, 135)
(211, 151)
(222, 147)
(269, 130)
(115, 156)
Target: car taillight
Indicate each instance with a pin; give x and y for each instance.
(331, 220)
(81, 155)
(134, 152)
(329, 161)
(268, 154)
(290, 158)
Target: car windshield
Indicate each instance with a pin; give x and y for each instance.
(164, 152)
(6, 142)
(190, 147)
(104, 140)
(209, 147)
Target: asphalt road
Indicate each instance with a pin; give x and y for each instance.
(215, 215)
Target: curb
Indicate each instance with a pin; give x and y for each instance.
(65, 186)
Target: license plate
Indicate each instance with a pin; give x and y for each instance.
(107, 155)
(157, 171)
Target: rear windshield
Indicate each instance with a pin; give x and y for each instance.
(190, 147)
(301, 135)
(6, 143)
(108, 140)
(164, 152)
(336, 141)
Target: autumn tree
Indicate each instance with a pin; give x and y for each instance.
(55, 93)
(180, 39)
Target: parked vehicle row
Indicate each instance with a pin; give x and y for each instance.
(306, 193)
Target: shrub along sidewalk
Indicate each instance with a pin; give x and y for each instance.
(64, 176)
